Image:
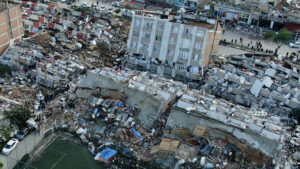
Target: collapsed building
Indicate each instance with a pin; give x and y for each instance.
(150, 93)
(47, 69)
(154, 118)
(255, 83)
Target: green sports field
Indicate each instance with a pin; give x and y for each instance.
(66, 155)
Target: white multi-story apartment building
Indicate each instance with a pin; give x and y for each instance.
(158, 43)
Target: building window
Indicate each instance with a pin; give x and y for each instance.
(135, 33)
(180, 66)
(160, 27)
(175, 30)
(243, 17)
(188, 31)
(144, 46)
(147, 35)
(170, 52)
(149, 24)
(156, 49)
(200, 34)
(183, 55)
(158, 37)
(186, 44)
(173, 41)
(195, 57)
(198, 46)
(133, 45)
(137, 23)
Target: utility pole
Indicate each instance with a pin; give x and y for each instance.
(212, 45)
(6, 4)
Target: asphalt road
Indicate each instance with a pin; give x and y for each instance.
(88, 2)
(226, 50)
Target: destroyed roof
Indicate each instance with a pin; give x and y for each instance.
(168, 145)
(199, 131)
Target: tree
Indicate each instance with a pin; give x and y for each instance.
(5, 132)
(296, 114)
(282, 37)
(18, 115)
(269, 35)
(127, 6)
(117, 10)
(4, 70)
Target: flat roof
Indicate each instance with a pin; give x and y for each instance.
(199, 24)
(171, 18)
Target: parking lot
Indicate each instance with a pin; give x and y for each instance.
(25, 146)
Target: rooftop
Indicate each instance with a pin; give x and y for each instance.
(3, 7)
(187, 19)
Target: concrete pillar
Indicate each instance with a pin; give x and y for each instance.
(249, 19)
(272, 24)
(160, 70)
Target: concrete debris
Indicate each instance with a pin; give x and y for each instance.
(69, 73)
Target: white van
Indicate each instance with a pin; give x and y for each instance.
(295, 44)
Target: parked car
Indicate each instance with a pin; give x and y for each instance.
(116, 4)
(110, 11)
(22, 133)
(9, 146)
(69, 2)
(295, 44)
(63, 1)
(102, 8)
(84, 5)
(31, 123)
(95, 7)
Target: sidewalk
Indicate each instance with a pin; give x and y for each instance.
(234, 34)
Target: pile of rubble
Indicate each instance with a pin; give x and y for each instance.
(255, 83)
(93, 36)
(271, 90)
(48, 68)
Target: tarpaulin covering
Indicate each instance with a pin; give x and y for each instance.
(107, 153)
(119, 104)
(136, 133)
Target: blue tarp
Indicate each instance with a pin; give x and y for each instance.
(136, 133)
(126, 151)
(107, 153)
(119, 104)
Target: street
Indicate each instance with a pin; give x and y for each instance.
(226, 50)
(246, 39)
(25, 146)
(88, 2)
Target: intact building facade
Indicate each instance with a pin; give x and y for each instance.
(11, 25)
(161, 44)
